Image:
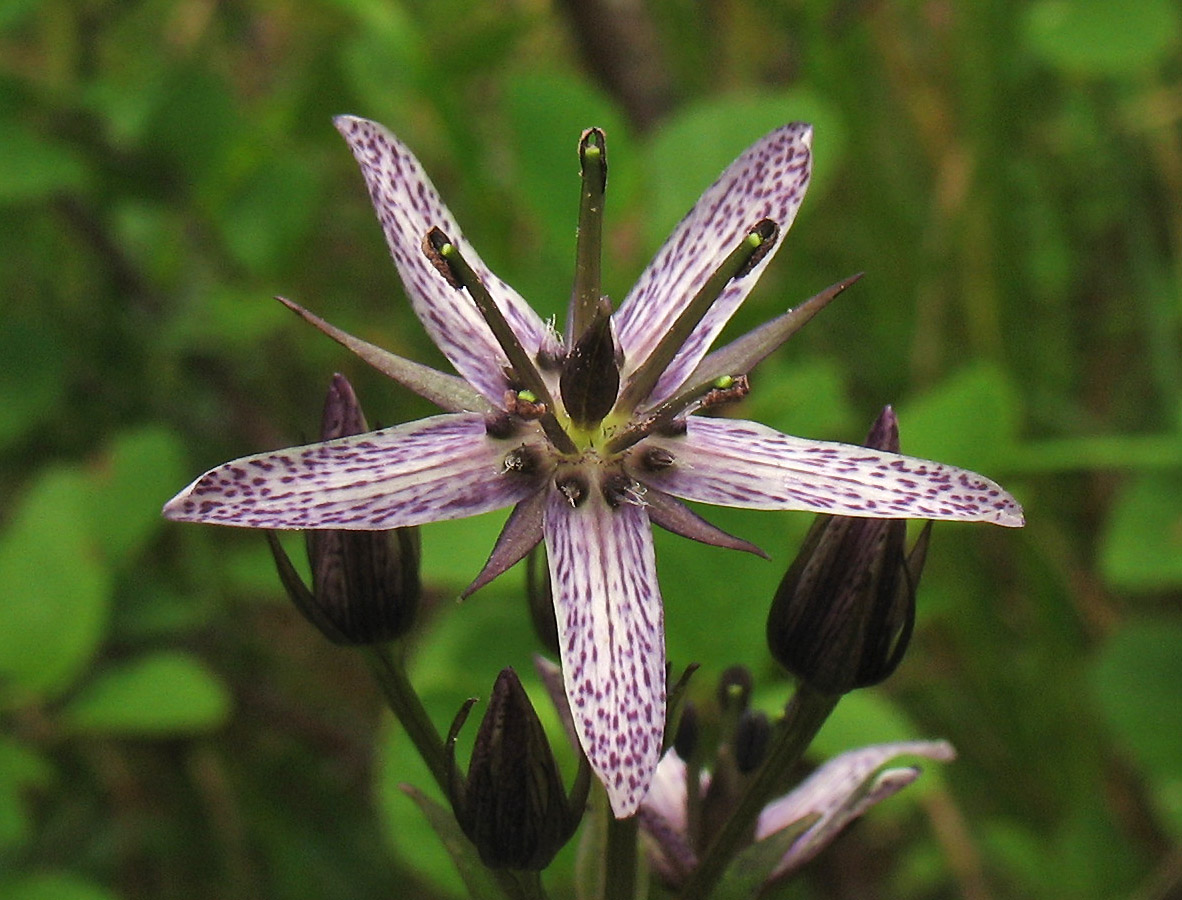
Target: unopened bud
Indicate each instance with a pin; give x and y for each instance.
(843, 614)
(365, 584)
(512, 806)
(752, 735)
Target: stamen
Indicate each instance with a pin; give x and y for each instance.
(443, 253)
(589, 247)
(573, 488)
(757, 243)
(671, 412)
(618, 488)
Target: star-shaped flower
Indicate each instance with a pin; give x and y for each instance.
(835, 794)
(590, 439)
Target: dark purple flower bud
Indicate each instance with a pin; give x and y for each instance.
(365, 584)
(685, 741)
(843, 614)
(512, 806)
(752, 735)
(734, 688)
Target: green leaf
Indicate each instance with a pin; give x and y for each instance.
(691, 148)
(21, 769)
(265, 223)
(32, 377)
(53, 586)
(162, 695)
(1098, 37)
(33, 167)
(55, 886)
(970, 420)
(750, 869)
(1134, 680)
(131, 480)
(477, 879)
(1141, 549)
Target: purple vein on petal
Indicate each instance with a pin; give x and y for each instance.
(444, 467)
(611, 635)
(767, 181)
(408, 206)
(731, 462)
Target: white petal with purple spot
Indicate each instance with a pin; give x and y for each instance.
(612, 638)
(732, 462)
(444, 467)
(840, 791)
(767, 182)
(408, 206)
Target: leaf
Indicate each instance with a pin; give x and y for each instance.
(970, 420)
(479, 881)
(1134, 680)
(692, 148)
(162, 695)
(34, 167)
(21, 769)
(131, 480)
(32, 377)
(751, 868)
(1142, 544)
(1098, 37)
(53, 886)
(53, 586)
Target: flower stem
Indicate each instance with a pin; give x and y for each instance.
(806, 713)
(408, 708)
(619, 858)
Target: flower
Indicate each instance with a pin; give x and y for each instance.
(590, 439)
(837, 793)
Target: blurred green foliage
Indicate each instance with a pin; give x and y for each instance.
(1009, 176)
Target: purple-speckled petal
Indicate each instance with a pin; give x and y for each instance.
(731, 462)
(408, 206)
(767, 182)
(840, 791)
(663, 818)
(445, 467)
(612, 639)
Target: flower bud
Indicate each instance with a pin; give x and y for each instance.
(512, 805)
(365, 584)
(843, 614)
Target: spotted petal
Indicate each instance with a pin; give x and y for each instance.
(731, 462)
(611, 636)
(767, 182)
(664, 818)
(408, 206)
(445, 467)
(840, 791)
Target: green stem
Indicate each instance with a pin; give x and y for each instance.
(408, 708)
(619, 858)
(804, 717)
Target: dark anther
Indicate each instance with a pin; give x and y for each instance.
(500, 425)
(550, 359)
(616, 488)
(523, 460)
(433, 243)
(573, 488)
(767, 232)
(657, 458)
(672, 428)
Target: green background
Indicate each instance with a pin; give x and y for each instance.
(1007, 174)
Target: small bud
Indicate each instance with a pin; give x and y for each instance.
(365, 584)
(734, 688)
(752, 735)
(685, 741)
(843, 614)
(512, 806)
